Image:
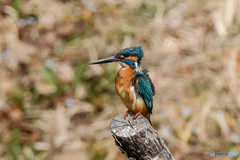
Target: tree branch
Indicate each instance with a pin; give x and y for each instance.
(137, 139)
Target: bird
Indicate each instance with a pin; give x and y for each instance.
(132, 84)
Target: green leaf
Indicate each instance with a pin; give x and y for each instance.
(49, 76)
(80, 71)
(16, 4)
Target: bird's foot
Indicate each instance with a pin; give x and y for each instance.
(136, 115)
(126, 114)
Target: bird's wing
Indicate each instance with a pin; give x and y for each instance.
(145, 88)
(150, 81)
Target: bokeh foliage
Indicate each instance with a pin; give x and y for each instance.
(53, 105)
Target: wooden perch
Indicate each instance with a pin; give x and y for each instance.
(137, 139)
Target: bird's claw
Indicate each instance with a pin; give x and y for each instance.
(126, 114)
(136, 115)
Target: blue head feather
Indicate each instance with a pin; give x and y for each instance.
(133, 51)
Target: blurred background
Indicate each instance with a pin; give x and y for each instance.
(54, 106)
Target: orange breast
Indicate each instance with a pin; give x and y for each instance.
(125, 89)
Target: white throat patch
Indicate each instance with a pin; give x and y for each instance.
(137, 68)
(123, 65)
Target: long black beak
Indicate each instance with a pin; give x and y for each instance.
(105, 60)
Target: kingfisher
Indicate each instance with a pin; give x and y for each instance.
(132, 84)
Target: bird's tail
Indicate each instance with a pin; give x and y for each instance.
(149, 119)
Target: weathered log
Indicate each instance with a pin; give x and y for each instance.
(137, 139)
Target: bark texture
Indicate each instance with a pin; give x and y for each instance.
(137, 139)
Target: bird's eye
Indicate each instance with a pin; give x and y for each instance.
(126, 55)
